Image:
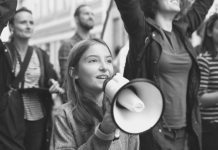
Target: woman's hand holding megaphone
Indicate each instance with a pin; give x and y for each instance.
(107, 125)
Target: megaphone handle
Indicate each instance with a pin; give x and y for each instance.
(116, 134)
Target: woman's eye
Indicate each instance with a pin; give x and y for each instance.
(92, 60)
(109, 61)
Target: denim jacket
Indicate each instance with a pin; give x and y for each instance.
(139, 28)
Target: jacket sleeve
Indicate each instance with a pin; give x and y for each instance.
(62, 57)
(133, 143)
(7, 10)
(132, 16)
(196, 15)
(65, 139)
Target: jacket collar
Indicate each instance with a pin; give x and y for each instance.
(154, 25)
(180, 25)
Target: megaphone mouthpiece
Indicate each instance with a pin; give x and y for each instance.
(130, 101)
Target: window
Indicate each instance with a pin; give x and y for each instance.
(44, 6)
(67, 3)
(37, 9)
(59, 5)
(51, 6)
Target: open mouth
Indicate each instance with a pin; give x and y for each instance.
(175, 2)
(102, 77)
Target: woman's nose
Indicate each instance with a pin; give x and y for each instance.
(103, 67)
(29, 25)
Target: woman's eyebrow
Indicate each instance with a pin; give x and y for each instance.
(91, 56)
(96, 56)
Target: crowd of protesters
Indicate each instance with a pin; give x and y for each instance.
(162, 29)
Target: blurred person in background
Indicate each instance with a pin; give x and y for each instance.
(7, 11)
(39, 74)
(161, 44)
(84, 19)
(85, 121)
(208, 93)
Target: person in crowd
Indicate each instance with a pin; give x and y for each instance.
(7, 11)
(84, 19)
(39, 74)
(169, 60)
(208, 93)
(85, 121)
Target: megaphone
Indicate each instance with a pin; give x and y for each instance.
(137, 105)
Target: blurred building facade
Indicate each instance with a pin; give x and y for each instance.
(54, 22)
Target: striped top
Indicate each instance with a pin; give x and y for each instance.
(32, 105)
(208, 84)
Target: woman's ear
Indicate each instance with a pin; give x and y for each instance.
(72, 73)
(11, 28)
(76, 19)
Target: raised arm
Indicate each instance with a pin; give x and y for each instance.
(7, 10)
(196, 15)
(132, 16)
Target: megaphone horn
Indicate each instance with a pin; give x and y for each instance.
(137, 105)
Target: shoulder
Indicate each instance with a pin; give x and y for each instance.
(66, 46)
(65, 110)
(67, 41)
(72, 41)
(39, 50)
(42, 54)
(205, 56)
(64, 114)
(204, 59)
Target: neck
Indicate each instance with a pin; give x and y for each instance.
(83, 33)
(21, 45)
(165, 21)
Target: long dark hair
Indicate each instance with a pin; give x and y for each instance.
(207, 42)
(82, 101)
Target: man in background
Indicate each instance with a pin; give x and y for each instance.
(84, 19)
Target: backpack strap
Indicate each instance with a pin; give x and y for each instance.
(23, 66)
(9, 57)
